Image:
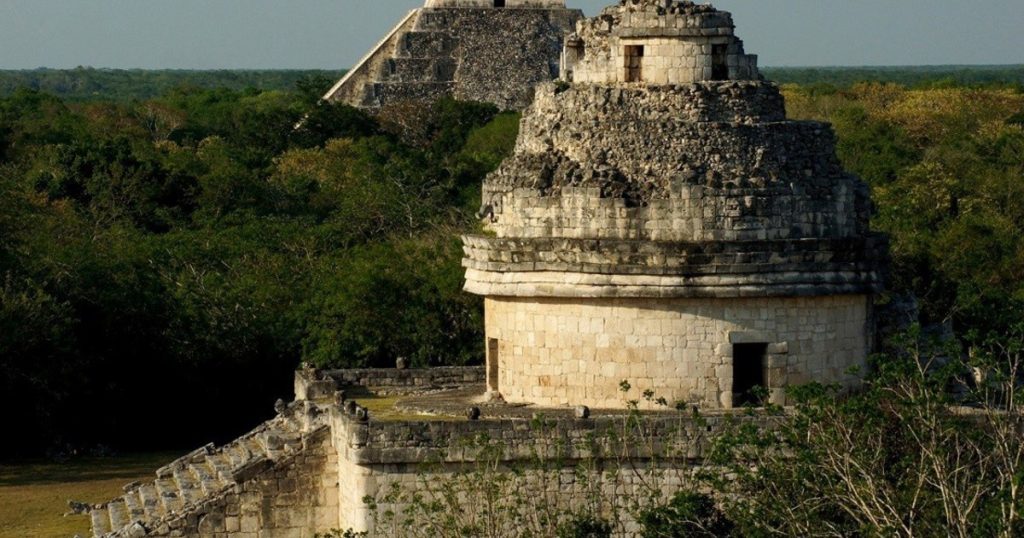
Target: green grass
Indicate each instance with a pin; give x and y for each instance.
(384, 408)
(34, 496)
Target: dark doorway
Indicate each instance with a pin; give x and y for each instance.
(499, 3)
(719, 63)
(492, 364)
(634, 58)
(748, 364)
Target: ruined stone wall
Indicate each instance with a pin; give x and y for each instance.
(728, 199)
(722, 166)
(395, 381)
(295, 497)
(560, 352)
(314, 385)
(690, 213)
(544, 455)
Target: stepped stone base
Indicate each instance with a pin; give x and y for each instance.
(309, 470)
(278, 481)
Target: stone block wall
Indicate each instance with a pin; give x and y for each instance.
(297, 498)
(395, 381)
(560, 491)
(560, 352)
(543, 456)
(691, 213)
(657, 43)
(665, 60)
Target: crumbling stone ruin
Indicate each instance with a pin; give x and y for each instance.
(278, 480)
(491, 51)
(660, 222)
(309, 469)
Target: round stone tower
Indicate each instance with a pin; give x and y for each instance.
(661, 223)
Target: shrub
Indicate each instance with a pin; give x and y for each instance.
(687, 515)
(585, 526)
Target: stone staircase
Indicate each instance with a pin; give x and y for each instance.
(478, 54)
(186, 485)
(422, 64)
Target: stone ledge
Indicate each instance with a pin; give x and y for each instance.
(674, 291)
(680, 434)
(691, 259)
(313, 384)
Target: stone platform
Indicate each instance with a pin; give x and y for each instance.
(357, 434)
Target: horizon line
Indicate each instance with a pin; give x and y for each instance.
(285, 69)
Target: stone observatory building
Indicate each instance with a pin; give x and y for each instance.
(661, 222)
(493, 51)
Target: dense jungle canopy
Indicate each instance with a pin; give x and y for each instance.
(168, 255)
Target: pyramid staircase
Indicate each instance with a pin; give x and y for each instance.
(479, 53)
(422, 63)
(203, 476)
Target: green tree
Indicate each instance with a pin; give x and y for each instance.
(397, 299)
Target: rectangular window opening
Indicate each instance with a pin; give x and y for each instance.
(719, 63)
(748, 373)
(499, 3)
(634, 59)
(492, 364)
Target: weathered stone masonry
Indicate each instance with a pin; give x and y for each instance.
(466, 49)
(377, 456)
(660, 222)
(565, 352)
(659, 208)
(659, 42)
(278, 481)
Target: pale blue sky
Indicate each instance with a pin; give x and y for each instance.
(332, 34)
